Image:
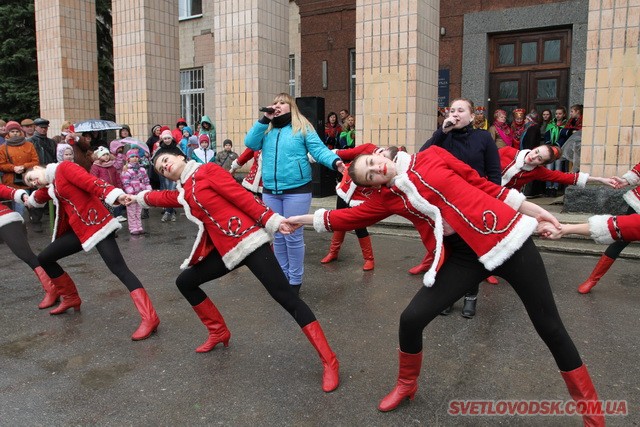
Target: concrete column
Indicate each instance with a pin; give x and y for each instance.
(67, 61)
(396, 71)
(611, 132)
(146, 64)
(251, 63)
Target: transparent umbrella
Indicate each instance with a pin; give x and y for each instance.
(134, 143)
(96, 125)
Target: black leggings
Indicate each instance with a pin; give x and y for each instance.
(263, 264)
(614, 249)
(341, 204)
(461, 271)
(13, 235)
(69, 244)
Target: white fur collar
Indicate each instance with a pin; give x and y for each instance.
(189, 170)
(50, 172)
(517, 166)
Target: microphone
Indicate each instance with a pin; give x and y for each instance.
(449, 124)
(267, 110)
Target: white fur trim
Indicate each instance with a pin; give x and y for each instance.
(346, 196)
(190, 217)
(515, 199)
(99, 235)
(510, 244)
(189, 169)
(582, 179)
(234, 166)
(245, 247)
(273, 224)
(32, 201)
(632, 200)
(17, 196)
(52, 193)
(599, 229)
(113, 195)
(516, 167)
(50, 172)
(632, 178)
(420, 203)
(402, 161)
(318, 221)
(140, 199)
(353, 203)
(9, 218)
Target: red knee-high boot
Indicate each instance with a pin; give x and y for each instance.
(603, 265)
(407, 385)
(69, 293)
(50, 293)
(331, 376)
(213, 320)
(334, 249)
(424, 265)
(581, 389)
(150, 320)
(367, 253)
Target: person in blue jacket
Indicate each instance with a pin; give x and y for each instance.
(286, 137)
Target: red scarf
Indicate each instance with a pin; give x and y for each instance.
(505, 133)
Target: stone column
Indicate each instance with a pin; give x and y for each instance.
(251, 64)
(396, 71)
(611, 132)
(146, 64)
(67, 61)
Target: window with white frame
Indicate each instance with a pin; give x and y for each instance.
(352, 81)
(192, 95)
(189, 8)
(292, 75)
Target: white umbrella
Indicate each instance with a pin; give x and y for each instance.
(135, 143)
(95, 125)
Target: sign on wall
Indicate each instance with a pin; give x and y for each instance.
(443, 88)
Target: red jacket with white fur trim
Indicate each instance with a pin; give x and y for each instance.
(610, 228)
(230, 219)
(8, 215)
(78, 197)
(516, 174)
(632, 197)
(439, 187)
(353, 194)
(253, 180)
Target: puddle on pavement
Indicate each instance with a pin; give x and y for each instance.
(104, 377)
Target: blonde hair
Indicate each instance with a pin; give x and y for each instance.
(65, 126)
(299, 123)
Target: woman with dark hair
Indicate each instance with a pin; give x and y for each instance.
(332, 130)
(234, 229)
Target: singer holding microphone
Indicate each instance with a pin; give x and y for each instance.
(476, 148)
(286, 137)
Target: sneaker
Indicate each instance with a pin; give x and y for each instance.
(145, 214)
(173, 217)
(121, 218)
(165, 217)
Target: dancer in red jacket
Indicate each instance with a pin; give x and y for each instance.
(478, 222)
(82, 222)
(12, 233)
(601, 228)
(234, 229)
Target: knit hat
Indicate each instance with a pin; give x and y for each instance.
(12, 125)
(163, 128)
(134, 152)
(100, 151)
(166, 134)
(227, 142)
(204, 138)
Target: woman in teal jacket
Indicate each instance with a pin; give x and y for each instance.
(286, 137)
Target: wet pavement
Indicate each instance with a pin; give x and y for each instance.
(83, 369)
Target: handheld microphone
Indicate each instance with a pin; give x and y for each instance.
(449, 124)
(267, 110)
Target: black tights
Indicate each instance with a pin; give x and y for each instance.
(341, 204)
(461, 271)
(613, 250)
(13, 235)
(263, 264)
(69, 244)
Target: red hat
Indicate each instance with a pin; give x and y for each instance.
(166, 134)
(204, 137)
(519, 113)
(12, 125)
(163, 128)
(495, 115)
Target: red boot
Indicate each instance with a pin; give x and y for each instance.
(581, 389)
(492, 280)
(407, 384)
(367, 253)
(331, 376)
(600, 269)
(424, 265)
(213, 320)
(336, 242)
(67, 289)
(150, 320)
(51, 296)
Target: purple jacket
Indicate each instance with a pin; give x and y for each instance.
(135, 179)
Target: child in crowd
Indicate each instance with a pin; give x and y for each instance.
(204, 154)
(103, 167)
(134, 180)
(64, 152)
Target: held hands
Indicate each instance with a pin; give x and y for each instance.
(548, 230)
(340, 166)
(128, 199)
(287, 228)
(619, 182)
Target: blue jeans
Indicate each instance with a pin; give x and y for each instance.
(558, 165)
(289, 249)
(167, 184)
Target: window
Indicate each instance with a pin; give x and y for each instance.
(189, 8)
(192, 95)
(352, 81)
(292, 75)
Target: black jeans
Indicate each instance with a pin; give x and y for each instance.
(263, 264)
(524, 271)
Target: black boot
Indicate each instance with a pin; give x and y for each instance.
(447, 311)
(469, 308)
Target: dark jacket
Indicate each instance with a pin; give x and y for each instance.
(475, 147)
(45, 147)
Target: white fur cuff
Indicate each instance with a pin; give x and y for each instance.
(113, 195)
(318, 221)
(631, 177)
(599, 229)
(273, 224)
(582, 179)
(17, 196)
(515, 199)
(32, 201)
(140, 199)
(632, 200)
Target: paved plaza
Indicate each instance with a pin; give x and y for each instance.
(83, 368)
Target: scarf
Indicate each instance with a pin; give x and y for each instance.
(15, 141)
(281, 121)
(102, 164)
(518, 130)
(554, 132)
(504, 132)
